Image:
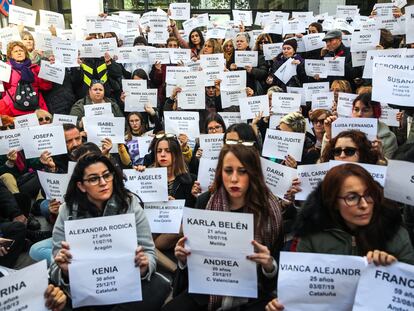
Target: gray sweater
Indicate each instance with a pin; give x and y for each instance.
(144, 237)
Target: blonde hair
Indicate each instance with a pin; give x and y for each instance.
(296, 121)
(343, 85)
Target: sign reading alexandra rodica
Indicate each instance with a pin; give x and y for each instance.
(393, 81)
(322, 280)
(219, 243)
(151, 185)
(393, 286)
(24, 289)
(103, 250)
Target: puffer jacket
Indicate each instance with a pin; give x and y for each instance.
(316, 232)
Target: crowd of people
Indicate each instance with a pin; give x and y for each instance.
(346, 213)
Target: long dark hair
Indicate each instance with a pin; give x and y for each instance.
(191, 44)
(385, 219)
(178, 164)
(366, 154)
(142, 130)
(214, 117)
(258, 194)
(74, 195)
(245, 132)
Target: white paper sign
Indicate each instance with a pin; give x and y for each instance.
(26, 120)
(324, 280)
(135, 100)
(127, 55)
(206, 172)
(314, 88)
(25, 288)
(409, 23)
(335, 67)
(49, 18)
(180, 56)
(150, 185)
(310, 176)
(190, 80)
(7, 35)
(98, 110)
(103, 250)
(316, 67)
(313, 41)
(192, 99)
(285, 103)
(212, 61)
(369, 126)
(180, 11)
(393, 81)
(293, 26)
(277, 177)
(161, 56)
(242, 17)
(272, 50)
(40, 138)
(232, 98)
(22, 16)
(387, 53)
(233, 80)
(399, 184)
(5, 72)
(230, 117)
(285, 72)
(389, 115)
(279, 144)
(345, 101)
(253, 105)
(216, 33)
(187, 122)
(211, 145)
(99, 128)
(10, 139)
(322, 101)
(378, 172)
(54, 73)
(219, 243)
(54, 185)
(59, 119)
(165, 217)
(246, 58)
(365, 40)
(393, 285)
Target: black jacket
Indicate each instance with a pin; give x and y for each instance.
(9, 208)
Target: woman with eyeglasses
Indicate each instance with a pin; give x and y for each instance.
(96, 95)
(317, 118)
(96, 189)
(364, 107)
(347, 214)
(239, 187)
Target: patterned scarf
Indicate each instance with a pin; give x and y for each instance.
(24, 69)
(268, 235)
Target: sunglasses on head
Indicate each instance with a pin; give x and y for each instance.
(48, 119)
(166, 135)
(349, 151)
(241, 142)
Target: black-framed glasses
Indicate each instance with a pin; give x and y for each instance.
(166, 135)
(349, 151)
(354, 199)
(47, 119)
(318, 121)
(239, 142)
(214, 128)
(95, 180)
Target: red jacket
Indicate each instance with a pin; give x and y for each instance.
(7, 107)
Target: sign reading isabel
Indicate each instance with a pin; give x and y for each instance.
(103, 265)
(279, 144)
(165, 217)
(219, 243)
(322, 280)
(393, 287)
(393, 81)
(24, 289)
(151, 185)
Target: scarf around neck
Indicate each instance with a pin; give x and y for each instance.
(24, 69)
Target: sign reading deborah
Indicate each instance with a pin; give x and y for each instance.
(103, 250)
(219, 243)
(279, 144)
(165, 217)
(393, 286)
(150, 185)
(322, 280)
(393, 81)
(25, 288)
(40, 138)
(366, 125)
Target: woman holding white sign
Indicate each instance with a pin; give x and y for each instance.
(96, 189)
(239, 187)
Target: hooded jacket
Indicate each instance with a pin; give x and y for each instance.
(317, 233)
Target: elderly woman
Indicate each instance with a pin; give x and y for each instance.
(22, 93)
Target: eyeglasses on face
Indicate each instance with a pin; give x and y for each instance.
(354, 199)
(95, 180)
(318, 121)
(214, 128)
(239, 142)
(47, 119)
(349, 151)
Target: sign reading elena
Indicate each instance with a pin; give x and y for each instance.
(103, 265)
(393, 287)
(150, 185)
(322, 280)
(24, 289)
(219, 243)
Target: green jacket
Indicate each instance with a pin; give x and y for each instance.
(339, 242)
